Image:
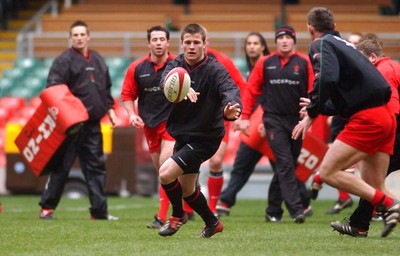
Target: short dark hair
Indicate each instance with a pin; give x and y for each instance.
(321, 19)
(371, 36)
(79, 23)
(157, 28)
(194, 28)
(369, 46)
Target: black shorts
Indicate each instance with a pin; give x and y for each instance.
(191, 153)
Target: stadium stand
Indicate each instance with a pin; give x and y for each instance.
(9, 34)
(217, 16)
(24, 78)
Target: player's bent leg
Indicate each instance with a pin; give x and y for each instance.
(374, 169)
(339, 157)
(169, 173)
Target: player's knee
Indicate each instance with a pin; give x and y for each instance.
(326, 176)
(165, 177)
(216, 163)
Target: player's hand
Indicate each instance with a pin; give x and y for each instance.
(113, 118)
(236, 124)
(261, 130)
(302, 127)
(245, 126)
(232, 112)
(192, 95)
(136, 121)
(304, 102)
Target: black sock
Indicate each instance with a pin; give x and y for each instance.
(174, 193)
(362, 215)
(199, 204)
(216, 174)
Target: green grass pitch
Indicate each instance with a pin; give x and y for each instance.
(246, 233)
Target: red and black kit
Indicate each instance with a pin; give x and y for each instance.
(280, 82)
(142, 82)
(340, 78)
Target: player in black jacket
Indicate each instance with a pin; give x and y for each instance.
(359, 93)
(197, 124)
(390, 69)
(86, 75)
(280, 79)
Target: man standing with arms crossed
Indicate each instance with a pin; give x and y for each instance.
(347, 84)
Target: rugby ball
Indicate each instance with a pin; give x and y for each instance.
(176, 84)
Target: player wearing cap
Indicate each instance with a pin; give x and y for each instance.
(281, 79)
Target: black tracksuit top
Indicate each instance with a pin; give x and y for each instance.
(278, 84)
(345, 81)
(142, 82)
(87, 78)
(205, 118)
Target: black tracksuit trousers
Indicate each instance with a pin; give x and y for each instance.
(286, 151)
(245, 162)
(87, 144)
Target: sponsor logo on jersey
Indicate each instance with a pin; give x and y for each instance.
(284, 81)
(153, 89)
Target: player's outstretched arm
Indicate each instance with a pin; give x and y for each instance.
(232, 112)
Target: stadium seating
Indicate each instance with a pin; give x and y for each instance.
(217, 16)
(241, 65)
(28, 77)
(117, 66)
(26, 63)
(47, 62)
(34, 83)
(41, 72)
(6, 84)
(14, 73)
(34, 102)
(26, 112)
(118, 62)
(12, 104)
(117, 86)
(21, 92)
(4, 116)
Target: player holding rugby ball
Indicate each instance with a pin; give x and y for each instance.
(197, 124)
